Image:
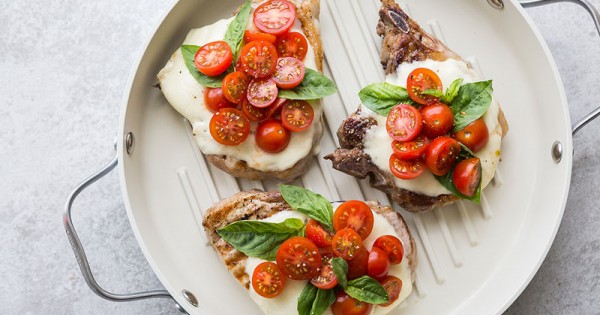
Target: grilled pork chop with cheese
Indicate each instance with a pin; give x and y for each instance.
(363, 152)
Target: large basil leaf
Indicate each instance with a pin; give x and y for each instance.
(340, 268)
(188, 52)
(471, 102)
(235, 31)
(260, 239)
(313, 86)
(314, 301)
(309, 203)
(382, 97)
(447, 181)
(367, 289)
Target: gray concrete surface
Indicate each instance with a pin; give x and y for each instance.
(63, 71)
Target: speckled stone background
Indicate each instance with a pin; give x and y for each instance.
(63, 70)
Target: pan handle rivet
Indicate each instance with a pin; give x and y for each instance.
(190, 297)
(497, 4)
(557, 151)
(129, 142)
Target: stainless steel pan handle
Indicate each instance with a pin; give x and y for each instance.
(80, 253)
(596, 18)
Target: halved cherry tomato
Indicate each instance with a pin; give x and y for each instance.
(297, 115)
(347, 305)
(474, 136)
(438, 120)
(229, 126)
(379, 263)
(255, 113)
(357, 267)
(292, 44)
(235, 86)
(289, 72)
(406, 169)
(250, 36)
(346, 244)
(271, 136)
(441, 154)
(356, 215)
(404, 122)
(268, 280)
(422, 79)
(262, 92)
(215, 100)
(299, 258)
(213, 58)
(317, 233)
(275, 108)
(410, 150)
(326, 253)
(467, 176)
(258, 58)
(326, 278)
(392, 246)
(393, 287)
(275, 17)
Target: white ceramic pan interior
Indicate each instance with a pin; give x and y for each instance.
(472, 259)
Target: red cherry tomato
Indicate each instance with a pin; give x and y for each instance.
(275, 108)
(379, 263)
(326, 279)
(346, 244)
(357, 267)
(467, 176)
(438, 120)
(392, 246)
(275, 17)
(258, 58)
(356, 215)
(268, 280)
(235, 86)
(229, 126)
(410, 150)
(292, 44)
(213, 58)
(255, 113)
(271, 136)
(299, 258)
(326, 254)
(316, 233)
(406, 169)
(393, 287)
(404, 122)
(441, 154)
(297, 115)
(250, 36)
(262, 92)
(474, 136)
(347, 305)
(289, 72)
(422, 79)
(215, 100)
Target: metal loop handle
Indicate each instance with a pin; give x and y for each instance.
(596, 18)
(80, 253)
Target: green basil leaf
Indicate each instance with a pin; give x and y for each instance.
(340, 268)
(188, 52)
(313, 86)
(260, 239)
(382, 97)
(235, 31)
(452, 91)
(309, 203)
(314, 301)
(471, 102)
(433, 92)
(446, 180)
(367, 289)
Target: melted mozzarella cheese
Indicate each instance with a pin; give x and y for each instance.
(378, 144)
(186, 95)
(287, 302)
